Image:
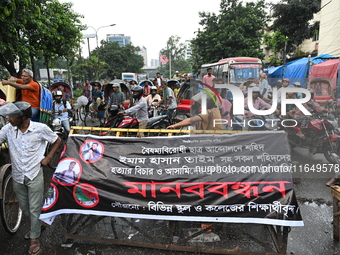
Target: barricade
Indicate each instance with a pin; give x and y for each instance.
(173, 235)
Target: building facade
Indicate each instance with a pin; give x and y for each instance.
(327, 40)
(188, 51)
(144, 53)
(154, 62)
(121, 39)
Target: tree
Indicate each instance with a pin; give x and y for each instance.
(276, 41)
(235, 31)
(95, 67)
(118, 59)
(37, 28)
(292, 18)
(175, 52)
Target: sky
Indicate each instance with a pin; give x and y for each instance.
(149, 23)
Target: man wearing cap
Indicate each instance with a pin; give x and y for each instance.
(284, 85)
(30, 91)
(176, 76)
(117, 97)
(27, 145)
(298, 85)
(208, 78)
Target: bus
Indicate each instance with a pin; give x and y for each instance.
(129, 76)
(235, 70)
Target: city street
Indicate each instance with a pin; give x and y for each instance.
(314, 198)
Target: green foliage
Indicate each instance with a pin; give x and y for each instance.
(175, 51)
(292, 18)
(235, 31)
(37, 28)
(118, 59)
(276, 41)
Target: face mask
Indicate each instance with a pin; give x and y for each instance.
(153, 93)
(136, 96)
(58, 100)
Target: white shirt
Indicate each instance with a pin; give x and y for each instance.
(264, 85)
(27, 149)
(140, 109)
(60, 107)
(159, 81)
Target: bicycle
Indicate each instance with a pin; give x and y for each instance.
(98, 114)
(83, 113)
(10, 211)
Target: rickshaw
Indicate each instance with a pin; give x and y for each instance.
(68, 93)
(323, 90)
(173, 83)
(123, 88)
(142, 83)
(10, 211)
(94, 115)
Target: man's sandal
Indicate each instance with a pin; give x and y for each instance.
(332, 181)
(43, 226)
(34, 248)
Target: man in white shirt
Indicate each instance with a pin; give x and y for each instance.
(158, 80)
(27, 144)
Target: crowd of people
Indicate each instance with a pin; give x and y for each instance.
(23, 127)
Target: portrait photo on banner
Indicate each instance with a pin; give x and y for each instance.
(91, 151)
(68, 172)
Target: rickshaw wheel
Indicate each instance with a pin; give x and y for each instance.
(11, 213)
(83, 114)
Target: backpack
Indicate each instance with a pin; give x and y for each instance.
(70, 113)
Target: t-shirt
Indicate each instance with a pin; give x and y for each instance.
(264, 85)
(176, 92)
(96, 94)
(87, 91)
(31, 96)
(168, 92)
(208, 119)
(67, 177)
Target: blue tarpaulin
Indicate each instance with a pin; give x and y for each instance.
(295, 70)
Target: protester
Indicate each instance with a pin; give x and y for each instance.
(150, 99)
(30, 91)
(158, 80)
(27, 145)
(140, 109)
(206, 121)
(176, 76)
(60, 110)
(208, 78)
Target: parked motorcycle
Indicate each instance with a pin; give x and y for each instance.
(116, 120)
(321, 136)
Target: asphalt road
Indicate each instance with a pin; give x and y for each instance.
(314, 198)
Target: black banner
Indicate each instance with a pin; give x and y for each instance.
(244, 178)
